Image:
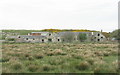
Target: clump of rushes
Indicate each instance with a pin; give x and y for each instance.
(16, 65)
(24, 56)
(116, 64)
(58, 52)
(83, 65)
(114, 52)
(56, 61)
(5, 70)
(50, 53)
(90, 61)
(27, 63)
(46, 67)
(33, 68)
(5, 59)
(98, 53)
(30, 58)
(27, 55)
(39, 56)
(106, 53)
(103, 69)
(77, 56)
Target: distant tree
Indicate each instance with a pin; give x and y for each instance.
(82, 37)
(107, 35)
(68, 37)
(116, 34)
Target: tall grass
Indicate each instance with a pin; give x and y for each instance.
(59, 57)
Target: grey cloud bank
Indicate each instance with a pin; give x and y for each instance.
(59, 14)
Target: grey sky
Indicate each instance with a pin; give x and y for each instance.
(59, 14)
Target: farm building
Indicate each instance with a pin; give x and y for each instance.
(29, 38)
(58, 37)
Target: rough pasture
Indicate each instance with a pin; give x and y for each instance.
(59, 57)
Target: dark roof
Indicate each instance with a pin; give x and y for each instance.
(75, 33)
(31, 36)
(11, 36)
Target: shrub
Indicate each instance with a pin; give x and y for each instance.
(116, 34)
(68, 37)
(82, 37)
(83, 65)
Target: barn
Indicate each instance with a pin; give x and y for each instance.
(68, 36)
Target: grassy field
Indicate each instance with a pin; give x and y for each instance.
(59, 58)
(21, 32)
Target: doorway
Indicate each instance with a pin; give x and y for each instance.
(98, 39)
(42, 40)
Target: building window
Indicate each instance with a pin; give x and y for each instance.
(49, 40)
(58, 39)
(42, 40)
(101, 37)
(98, 39)
(98, 34)
(49, 34)
(33, 38)
(26, 38)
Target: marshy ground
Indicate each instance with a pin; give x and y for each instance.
(59, 57)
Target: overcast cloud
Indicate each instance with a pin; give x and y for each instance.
(59, 14)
